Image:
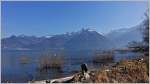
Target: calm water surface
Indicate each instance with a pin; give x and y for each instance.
(15, 71)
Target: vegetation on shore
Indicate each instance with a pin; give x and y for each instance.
(51, 61)
(104, 57)
(128, 71)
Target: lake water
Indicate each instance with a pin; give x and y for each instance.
(13, 70)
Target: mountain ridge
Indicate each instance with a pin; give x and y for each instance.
(81, 40)
(85, 39)
(125, 35)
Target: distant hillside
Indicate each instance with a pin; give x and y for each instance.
(121, 37)
(81, 40)
(19, 42)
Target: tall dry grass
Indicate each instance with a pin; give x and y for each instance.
(128, 71)
(51, 61)
(103, 57)
(24, 59)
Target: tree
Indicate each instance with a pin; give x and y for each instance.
(144, 45)
(146, 34)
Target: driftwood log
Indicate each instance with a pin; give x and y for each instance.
(59, 80)
(62, 80)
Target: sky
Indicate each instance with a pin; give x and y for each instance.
(49, 18)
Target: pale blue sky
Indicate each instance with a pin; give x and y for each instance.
(47, 18)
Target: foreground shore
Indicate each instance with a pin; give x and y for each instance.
(128, 71)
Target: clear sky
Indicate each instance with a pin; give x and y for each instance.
(48, 18)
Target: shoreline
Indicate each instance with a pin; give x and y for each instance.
(127, 71)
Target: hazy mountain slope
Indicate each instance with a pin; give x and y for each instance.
(121, 37)
(15, 42)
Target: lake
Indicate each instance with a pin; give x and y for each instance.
(13, 70)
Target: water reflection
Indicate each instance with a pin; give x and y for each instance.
(50, 73)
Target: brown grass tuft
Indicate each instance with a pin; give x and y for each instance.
(103, 57)
(24, 59)
(51, 61)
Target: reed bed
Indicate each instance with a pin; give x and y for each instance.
(51, 61)
(24, 59)
(103, 57)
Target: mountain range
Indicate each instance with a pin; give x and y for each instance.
(84, 39)
(81, 40)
